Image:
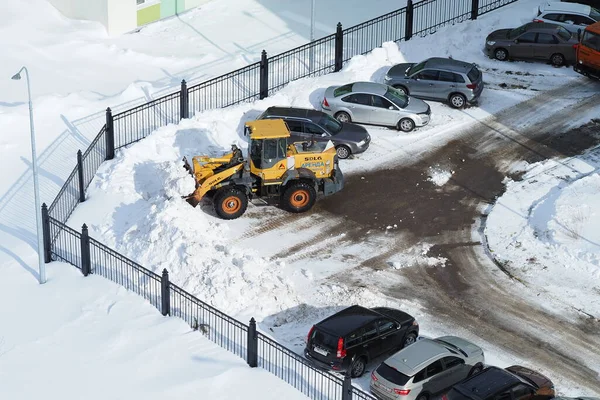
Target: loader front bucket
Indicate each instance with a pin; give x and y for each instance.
(192, 199)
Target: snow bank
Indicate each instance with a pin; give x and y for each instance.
(544, 229)
(79, 337)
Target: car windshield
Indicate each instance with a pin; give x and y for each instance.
(595, 14)
(331, 124)
(591, 40)
(391, 374)
(397, 97)
(342, 90)
(416, 68)
(563, 33)
(517, 32)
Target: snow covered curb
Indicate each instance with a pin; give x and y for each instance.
(543, 230)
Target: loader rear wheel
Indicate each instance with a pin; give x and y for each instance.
(230, 203)
(299, 197)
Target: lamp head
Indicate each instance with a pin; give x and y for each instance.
(16, 76)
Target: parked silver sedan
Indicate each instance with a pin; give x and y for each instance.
(426, 369)
(375, 104)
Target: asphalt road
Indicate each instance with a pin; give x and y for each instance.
(472, 291)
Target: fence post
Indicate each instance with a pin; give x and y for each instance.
(347, 384)
(252, 348)
(183, 101)
(264, 75)
(110, 135)
(86, 265)
(165, 293)
(339, 48)
(46, 231)
(408, 28)
(80, 175)
(474, 9)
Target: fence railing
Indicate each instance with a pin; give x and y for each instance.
(364, 37)
(253, 82)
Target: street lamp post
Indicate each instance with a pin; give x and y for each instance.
(311, 54)
(36, 186)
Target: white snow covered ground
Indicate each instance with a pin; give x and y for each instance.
(78, 337)
(544, 229)
(134, 203)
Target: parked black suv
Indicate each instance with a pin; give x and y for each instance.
(306, 124)
(348, 340)
(512, 383)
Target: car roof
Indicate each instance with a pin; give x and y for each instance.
(417, 356)
(448, 64)
(566, 7)
(348, 320)
(488, 382)
(295, 112)
(369, 87)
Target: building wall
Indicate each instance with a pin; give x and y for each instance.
(91, 10)
(121, 16)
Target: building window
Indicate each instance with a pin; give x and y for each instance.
(139, 2)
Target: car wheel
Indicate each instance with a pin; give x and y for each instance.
(299, 197)
(475, 370)
(557, 60)
(406, 125)
(501, 54)
(343, 152)
(357, 368)
(230, 203)
(401, 88)
(422, 397)
(343, 117)
(409, 339)
(457, 100)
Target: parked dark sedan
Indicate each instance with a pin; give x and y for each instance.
(533, 41)
(306, 124)
(495, 383)
(349, 339)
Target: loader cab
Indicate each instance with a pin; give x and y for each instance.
(268, 148)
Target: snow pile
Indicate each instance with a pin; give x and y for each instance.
(439, 176)
(138, 197)
(417, 256)
(544, 230)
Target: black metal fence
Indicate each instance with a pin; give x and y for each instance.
(253, 82)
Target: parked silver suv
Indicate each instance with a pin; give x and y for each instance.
(426, 368)
(442, 79)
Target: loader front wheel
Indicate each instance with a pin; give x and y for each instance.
(299, 197)
(230, 203)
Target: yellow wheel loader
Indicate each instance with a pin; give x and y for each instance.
(277, 170)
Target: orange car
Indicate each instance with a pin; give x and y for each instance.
(588, 52)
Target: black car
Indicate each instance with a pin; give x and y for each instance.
(512, 383)
(306, 124)
(348, 340)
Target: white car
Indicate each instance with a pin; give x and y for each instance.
(571, 16)
(426, 369)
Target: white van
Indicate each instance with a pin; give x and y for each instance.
(572, 16)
